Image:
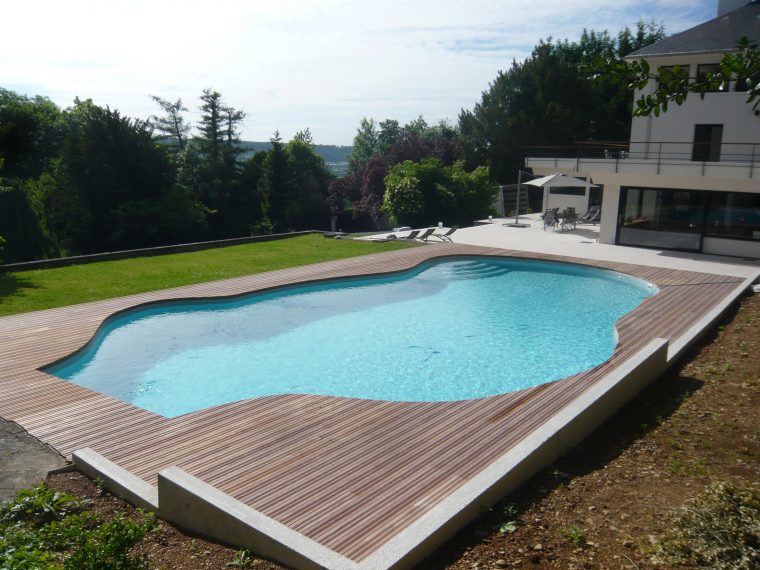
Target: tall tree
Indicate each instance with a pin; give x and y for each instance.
(372, 188)
(171, 126)
(310, 178)
(211, 165)
(31, 131)
(247, 201)
(211, 130)
(115, 187)
(364, 146)
(646, 33)
(276, 186)
(387, 136)
(549, 99)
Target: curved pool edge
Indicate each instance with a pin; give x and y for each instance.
(111, 321)
(268, 289)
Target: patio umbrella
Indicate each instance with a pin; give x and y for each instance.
(560, 180)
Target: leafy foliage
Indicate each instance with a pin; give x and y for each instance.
(31, 132)
(108, 546)
(38, 506)
(377, 148)
(365, 144)
(576, 535)
(510, 525)
(43, 528)
(674, 84)
(242, 559)
(421, 193)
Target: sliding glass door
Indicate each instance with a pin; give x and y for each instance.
(667, 219)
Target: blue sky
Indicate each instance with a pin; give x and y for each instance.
(292, 64)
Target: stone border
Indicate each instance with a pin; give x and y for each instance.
(116, 479)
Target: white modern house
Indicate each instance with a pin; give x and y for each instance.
(689, 179)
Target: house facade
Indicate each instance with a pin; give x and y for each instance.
(688, 180)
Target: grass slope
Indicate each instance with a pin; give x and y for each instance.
(46, 288)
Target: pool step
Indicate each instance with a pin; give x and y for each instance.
(478, 270)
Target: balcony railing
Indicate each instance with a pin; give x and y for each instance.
(680, 157)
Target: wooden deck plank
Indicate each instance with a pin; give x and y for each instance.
(347, 473)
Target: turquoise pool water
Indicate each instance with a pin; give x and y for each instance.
(457, 329)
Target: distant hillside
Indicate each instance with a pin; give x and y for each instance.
(335, 156)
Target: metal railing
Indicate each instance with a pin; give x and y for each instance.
(648, 150)
(746, 155)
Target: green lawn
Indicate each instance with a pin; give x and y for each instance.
(45, 288)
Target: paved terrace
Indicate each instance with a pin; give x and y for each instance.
(351, 475)
(581, 244)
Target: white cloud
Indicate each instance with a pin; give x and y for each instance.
(293, 64)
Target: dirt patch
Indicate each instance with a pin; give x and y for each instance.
(601, 506)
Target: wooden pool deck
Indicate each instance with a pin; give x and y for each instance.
(349, 474)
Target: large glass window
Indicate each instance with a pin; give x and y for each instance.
(670, 219)
(568, 190)
(678, 219)
(733, 215)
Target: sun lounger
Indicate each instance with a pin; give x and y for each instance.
(411, 235)
(425, 234)
(446, 236)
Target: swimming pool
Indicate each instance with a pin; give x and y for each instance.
(448, 330)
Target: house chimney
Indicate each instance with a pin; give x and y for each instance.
(726, 6)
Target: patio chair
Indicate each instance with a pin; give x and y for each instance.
(425, 234)
(446, 236)
(550, 218)
(590, 217)
(569, 219)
